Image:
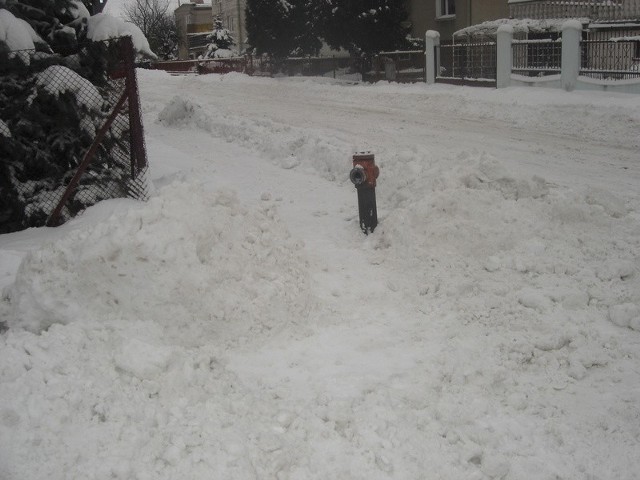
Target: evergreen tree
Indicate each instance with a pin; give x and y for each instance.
(219, 40)
(51, 104)
(282, 27)
(53, 20)
(364, 26)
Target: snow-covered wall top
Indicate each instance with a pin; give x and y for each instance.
(525, 25)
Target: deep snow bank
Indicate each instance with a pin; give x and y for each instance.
(197, 263)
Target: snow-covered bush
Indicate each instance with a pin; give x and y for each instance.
(220, 42)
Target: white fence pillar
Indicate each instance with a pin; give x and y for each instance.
(431, 40)
(571, 35)
(504, 58)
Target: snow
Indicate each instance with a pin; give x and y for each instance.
(239, 324)
(17, 34)
(79, 10)
(103, 27)
(4, 129)
(57, 79)
(519, 25)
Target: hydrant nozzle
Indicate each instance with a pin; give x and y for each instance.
(363, 175)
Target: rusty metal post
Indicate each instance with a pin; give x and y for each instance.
(138, 151)
(363, 176)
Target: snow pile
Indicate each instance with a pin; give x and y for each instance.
(198, 264)
(287, 146)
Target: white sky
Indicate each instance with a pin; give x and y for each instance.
(116, 7)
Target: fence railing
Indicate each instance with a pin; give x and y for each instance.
(261, 65)
(398, 66)
(536, 58)
(467, 63)
(76, 141)
(610, 60)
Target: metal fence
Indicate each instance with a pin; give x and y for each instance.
(399, 66)
(467, 63)
(536, 57)
(87, 143)
(610, 59)
(261, 65)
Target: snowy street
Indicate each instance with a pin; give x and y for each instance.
(239, 325)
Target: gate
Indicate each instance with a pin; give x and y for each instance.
(472, 64)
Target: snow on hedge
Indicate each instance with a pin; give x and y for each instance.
(57, 79)
(17, 34)
(4, 130)
(103, 27)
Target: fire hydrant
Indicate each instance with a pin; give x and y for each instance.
(363, 176)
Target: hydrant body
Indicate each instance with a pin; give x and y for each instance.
(363, 176)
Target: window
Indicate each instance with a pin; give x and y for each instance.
(445, 8)
(231, 23)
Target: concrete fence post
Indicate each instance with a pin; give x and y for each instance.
(504, 58)
(431, 41)
(571, 34)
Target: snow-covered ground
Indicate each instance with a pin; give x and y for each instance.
(239, 325)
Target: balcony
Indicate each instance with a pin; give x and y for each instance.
(594, 10)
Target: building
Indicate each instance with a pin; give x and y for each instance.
(194, 21)
(232, 14)
(533, 19)
(601, 19)
(449, 16)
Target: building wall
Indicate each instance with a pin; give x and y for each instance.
(424, 15)
(191, 18)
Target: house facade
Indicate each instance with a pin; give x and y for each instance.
(449, 16)
(194, 21)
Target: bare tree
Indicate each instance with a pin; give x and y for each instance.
(156, 22)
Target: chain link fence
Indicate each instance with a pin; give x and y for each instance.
(71, 133)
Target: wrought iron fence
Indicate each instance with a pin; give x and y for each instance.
(610, 59)
(77, 138)
(536, 57)
(472, 63)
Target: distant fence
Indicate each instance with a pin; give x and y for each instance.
(88, 142)
(475, 63)
(262, 65)
(570, 61)
(399, 66)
